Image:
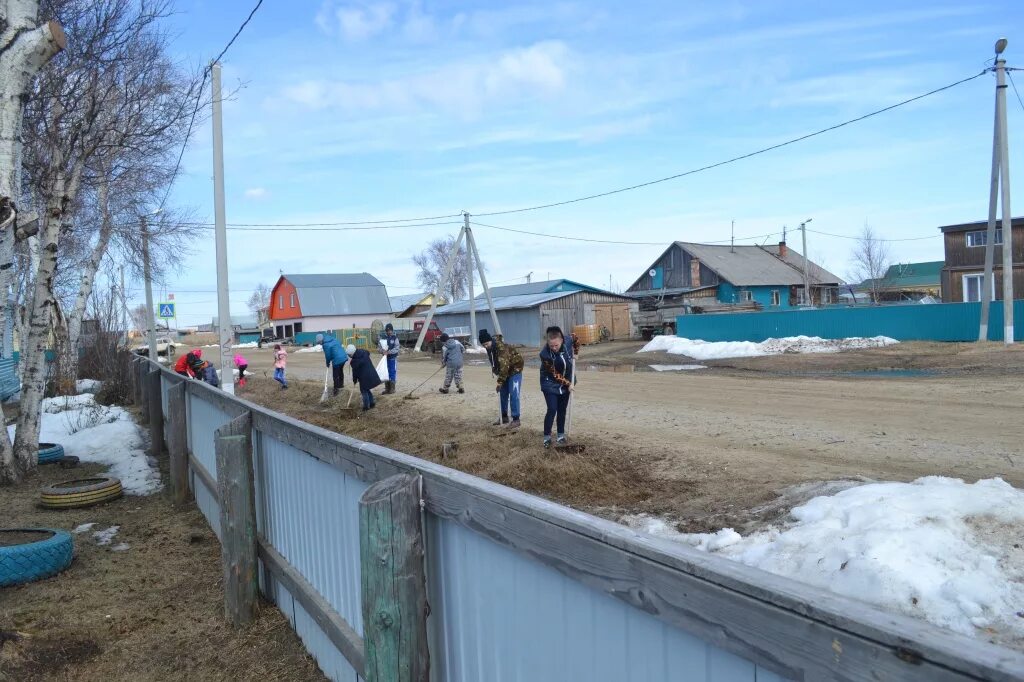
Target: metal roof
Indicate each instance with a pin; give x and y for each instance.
(757, 265)
(400, 303)
(545, 287)
(506, 302)
(908, 275)
(981, 225)
(340, 294)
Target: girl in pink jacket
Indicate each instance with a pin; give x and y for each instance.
(280, 362)
(242, 364)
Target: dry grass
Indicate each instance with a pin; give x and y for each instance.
(153, 612)
(609, 474)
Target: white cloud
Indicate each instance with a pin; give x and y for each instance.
(256, 193)
(355, 22)
(461, 87)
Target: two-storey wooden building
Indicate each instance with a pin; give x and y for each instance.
(964, 266)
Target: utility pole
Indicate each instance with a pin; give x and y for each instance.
(529, 276)
(472, 301)
(1004, 172)
(987, 281)
(227, 379)
(483, 279)
(808, 299)
(147, 275)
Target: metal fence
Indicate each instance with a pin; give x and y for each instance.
(914, 322)
(522, 589)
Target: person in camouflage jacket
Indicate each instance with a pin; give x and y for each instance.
(507, 365)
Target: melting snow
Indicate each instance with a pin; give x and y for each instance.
(106, 536)
(676, 368)
(311, 349)
(84, 527)
(716, 350)
(88, 385)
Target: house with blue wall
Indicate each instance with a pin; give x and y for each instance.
(709, 277)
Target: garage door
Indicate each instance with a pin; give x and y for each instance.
(615, 318)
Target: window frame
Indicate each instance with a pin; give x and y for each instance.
(776, 297)
(980, 237)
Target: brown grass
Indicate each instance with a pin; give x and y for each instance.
(153, 612)
(606, 475)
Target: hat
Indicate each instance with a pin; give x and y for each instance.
(389, 327)
(551, 331)
(444, 337)
(483, 336)
(319, 338)
(198, 353)
(350, 349)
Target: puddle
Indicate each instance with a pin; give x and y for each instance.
(676, 368)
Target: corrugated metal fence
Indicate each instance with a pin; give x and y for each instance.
(919, 322)
(522, 589)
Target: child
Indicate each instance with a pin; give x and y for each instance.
(184, 365)
(391, 347)
(451, 360)
(280, 362)
(364, 374)
(556, 382)
(242, 364)
(507, 365)
(209, 374)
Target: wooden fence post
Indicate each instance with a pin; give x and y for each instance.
(143, 372)
(394, 590)
(177, 442)
(136, 372)
(237, 519)
(156, 413)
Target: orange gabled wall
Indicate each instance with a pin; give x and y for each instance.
(283, 291)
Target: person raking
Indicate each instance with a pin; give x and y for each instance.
(391, 347)
(365, 375)
(507, 366)
(336, 358)
(557, 379)
(452, 360)
(187, 364)
(241, 364)
(280, 363)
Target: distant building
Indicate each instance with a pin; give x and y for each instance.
(314, 303)
(964, 266)
(526, 310)
(412, 305)
(904, 282)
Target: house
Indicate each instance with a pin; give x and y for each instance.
(413, 305)
(964, 266)
(316, 303)
(904, 282)
(526, 310)
(690, 277)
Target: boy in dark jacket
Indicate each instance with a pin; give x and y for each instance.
(364, 374)
(507, 364)
(391, 347)
(336, 358)
(557, 376)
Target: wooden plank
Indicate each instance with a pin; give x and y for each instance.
(337, 629)
(177, 446)
(156, 413)
(203, 475)
(394, 585)
(237, 519)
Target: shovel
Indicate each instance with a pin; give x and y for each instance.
(327, 376)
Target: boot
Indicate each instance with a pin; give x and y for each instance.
(389, 387)
(514, 424)
(461, 389)
(503, 420)
(443, 390)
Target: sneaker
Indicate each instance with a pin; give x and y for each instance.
(443, 390)
(547, 441)
(514, 424)
(562, 440)
(461, 389)
(335, 392)
(503, 420)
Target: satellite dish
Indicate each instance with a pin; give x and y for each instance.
(653, 273)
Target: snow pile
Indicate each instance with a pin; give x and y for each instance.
(247, 344)
(102, 435)
(676, 368)
(938, 549)
(83, 528)
(106, 536)
(311, 349)
(88, 386)
(476, 350)
(717, 350)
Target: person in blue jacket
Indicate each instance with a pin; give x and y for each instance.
(557, 381)
(365, 375)
(391, 348)
(336, 359)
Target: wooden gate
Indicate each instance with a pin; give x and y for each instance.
(614, 317)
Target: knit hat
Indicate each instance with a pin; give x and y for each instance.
(350, 349)
(483, 336)
(319, 338)
(551, 331)
(389, 327)
(444, 337)
(198, 353)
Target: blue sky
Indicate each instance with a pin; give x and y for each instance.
(391, 109)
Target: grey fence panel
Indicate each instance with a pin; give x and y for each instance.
(497, 615)
(204, 418)
(330, 660)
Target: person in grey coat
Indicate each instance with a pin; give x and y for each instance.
(452, 360)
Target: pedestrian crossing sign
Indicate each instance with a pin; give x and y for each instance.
(166, 311)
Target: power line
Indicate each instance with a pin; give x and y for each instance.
(1019, 100)
(846, 236)
(239, 31)
(737, 158)
(609, 241)
(278, 228)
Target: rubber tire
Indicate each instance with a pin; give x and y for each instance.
(65, 496)
(50, 452)
(35, 560)
(68, 462)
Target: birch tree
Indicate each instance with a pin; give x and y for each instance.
(870, 262)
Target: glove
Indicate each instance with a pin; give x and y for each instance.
(497, 389)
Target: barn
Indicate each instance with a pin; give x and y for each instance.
(315, 303)
(526, 310)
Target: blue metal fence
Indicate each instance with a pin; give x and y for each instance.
(918, 322)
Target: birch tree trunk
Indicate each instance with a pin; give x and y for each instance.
(25, 48)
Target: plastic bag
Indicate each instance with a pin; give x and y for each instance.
(382, 369)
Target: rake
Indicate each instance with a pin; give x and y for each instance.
(410, 395)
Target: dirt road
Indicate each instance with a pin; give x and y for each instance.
(708, 446)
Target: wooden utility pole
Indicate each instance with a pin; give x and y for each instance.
(233, 444)
(394, 589)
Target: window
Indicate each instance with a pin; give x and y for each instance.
(980, 237)
(826, 296)
(972, 288)
(298, 327)
(775, 297)
(280, 301)
(291, 301)
(746, 295)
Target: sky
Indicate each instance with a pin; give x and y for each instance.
(392, 109)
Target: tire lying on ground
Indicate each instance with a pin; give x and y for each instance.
(68, 462)
(83, 492)
(28, 554)
(50, 452)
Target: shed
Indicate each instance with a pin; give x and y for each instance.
(312, 303)
(525, 316)
(413, 305)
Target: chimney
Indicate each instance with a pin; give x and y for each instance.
(782, 249)
(694, 272)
